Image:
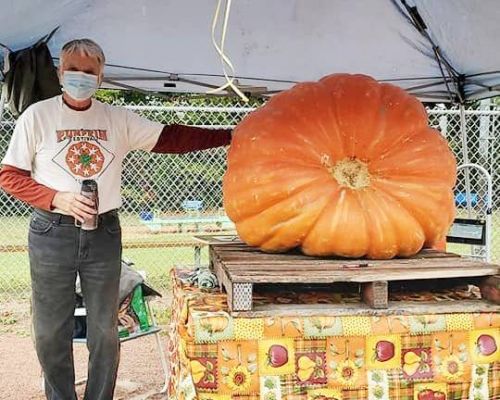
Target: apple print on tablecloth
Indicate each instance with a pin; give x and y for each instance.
(484, 346)
(277, 356)
(383, 352)
(345, 361)
(238, 370)
(451, 359)
(417, 363)
(430, 391)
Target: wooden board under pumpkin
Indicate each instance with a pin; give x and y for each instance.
(239, 267)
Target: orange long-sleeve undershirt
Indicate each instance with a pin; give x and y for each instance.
(173, 139)
(22, 186)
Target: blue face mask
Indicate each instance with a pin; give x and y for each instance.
(79, 85)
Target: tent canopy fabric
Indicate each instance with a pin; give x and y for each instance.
(441, 51)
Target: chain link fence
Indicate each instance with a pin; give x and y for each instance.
(169, 198)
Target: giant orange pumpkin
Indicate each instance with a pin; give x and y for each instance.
(345, 166)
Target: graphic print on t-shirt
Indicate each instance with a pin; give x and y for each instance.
(84, 155)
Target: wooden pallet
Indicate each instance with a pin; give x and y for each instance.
(240, 267)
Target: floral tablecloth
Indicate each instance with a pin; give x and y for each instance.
(409, 357)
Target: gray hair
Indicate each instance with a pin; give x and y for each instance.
(85, 46)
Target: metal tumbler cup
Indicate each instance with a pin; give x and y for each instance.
(89, 190)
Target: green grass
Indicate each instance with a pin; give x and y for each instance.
(156, 261)
(14, 274)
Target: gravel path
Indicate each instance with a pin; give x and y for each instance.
(139, 376)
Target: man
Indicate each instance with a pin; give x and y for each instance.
(56, 144)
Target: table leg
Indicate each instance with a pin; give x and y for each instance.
(197, 256)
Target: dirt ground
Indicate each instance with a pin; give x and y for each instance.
(140, 374)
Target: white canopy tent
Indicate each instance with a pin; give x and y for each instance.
(440, 50)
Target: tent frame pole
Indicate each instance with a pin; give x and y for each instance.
(2, 103)
(489, 204)
(465, 154)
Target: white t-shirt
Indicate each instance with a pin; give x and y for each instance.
(62, 147)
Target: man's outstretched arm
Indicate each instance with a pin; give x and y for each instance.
(183, 139)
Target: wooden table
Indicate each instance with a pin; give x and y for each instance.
(282, 353)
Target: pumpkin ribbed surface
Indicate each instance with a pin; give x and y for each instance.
(344, 166)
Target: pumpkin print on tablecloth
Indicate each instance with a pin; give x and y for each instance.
(84, 159)
(344, 157)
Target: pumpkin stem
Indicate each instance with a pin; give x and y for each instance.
(352, 173)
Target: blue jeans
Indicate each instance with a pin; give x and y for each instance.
(58, 251)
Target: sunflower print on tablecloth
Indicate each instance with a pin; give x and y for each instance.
(451, 358)
(238, 369)
(346, 365)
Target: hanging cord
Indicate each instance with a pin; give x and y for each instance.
(224, 58)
